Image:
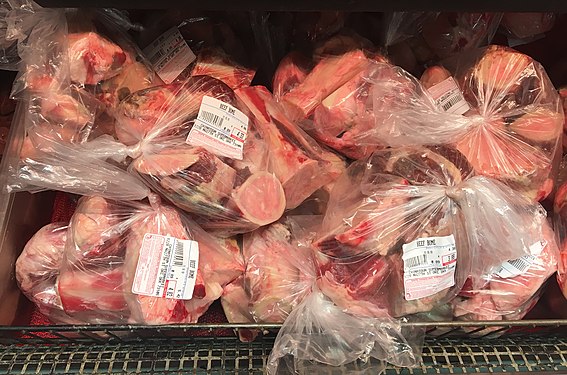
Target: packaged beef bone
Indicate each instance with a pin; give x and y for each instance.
(65, 62)
(497, 107)
(515, 287)
(300, 164)
(526, 27)
(333, 102)
(191, 143)
(214, 62)
(279, 273)
(126, 262)
(418, 225)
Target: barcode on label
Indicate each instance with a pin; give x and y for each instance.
(451, 102)
(416, 261)
(178, 257)
(521, 264)
(211, 118)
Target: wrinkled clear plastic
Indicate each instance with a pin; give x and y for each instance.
(319, 336)
(511, 130)
(398, 196)
(229, 195)
(445, 33)
(66, 91)
(37, 269)
(510, 292)
(214, 62)
(300, 164)
(526, 27)
(101, 259)
(9, 58)
(333, 101)
(279, 273)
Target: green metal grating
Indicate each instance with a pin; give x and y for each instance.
(230, 356)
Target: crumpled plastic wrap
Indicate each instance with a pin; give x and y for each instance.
(372, 251)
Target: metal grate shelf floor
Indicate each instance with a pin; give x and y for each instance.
(230, 356)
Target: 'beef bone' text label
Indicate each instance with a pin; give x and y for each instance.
(429, 266)
(220, 128)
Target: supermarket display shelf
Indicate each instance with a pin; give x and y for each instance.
(183, 333)
(316, 5)
(226, 355)
(450, 347)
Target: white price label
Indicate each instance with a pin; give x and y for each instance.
(429, 266)
(167, 267)
(448, 97)
(517, 267)
(220, 128)
(169, 55)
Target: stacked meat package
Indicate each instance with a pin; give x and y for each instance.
(351, 198)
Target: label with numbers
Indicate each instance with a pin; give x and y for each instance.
(167, 267)
(220, 128)
(169, 55)
(448, 97)
(429, 266)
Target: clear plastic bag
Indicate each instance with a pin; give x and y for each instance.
(407, 227)
(279, 273)
(499, 109)
(214, 62)
(514, 288)
(114, 252)
(230, 192)
(64, 84)
(318, 337)
(301, 165)
(332, 102)
(38, 267)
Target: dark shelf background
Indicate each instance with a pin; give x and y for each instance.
(314, 5)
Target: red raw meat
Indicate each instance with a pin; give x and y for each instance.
(93, 294)
(298, 162)
(215, 63)
(93, 58)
